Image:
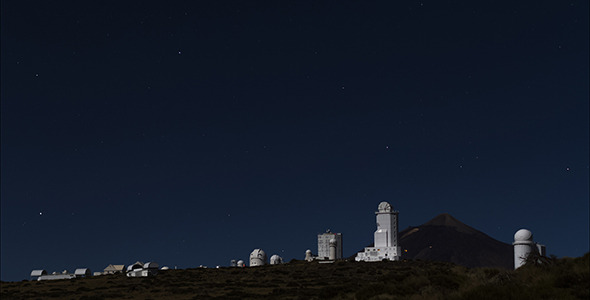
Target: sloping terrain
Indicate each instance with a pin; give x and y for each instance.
(556, 279)
(445, 238)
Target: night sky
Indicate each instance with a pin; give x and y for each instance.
(190, 133)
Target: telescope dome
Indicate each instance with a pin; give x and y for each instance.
(523, 235)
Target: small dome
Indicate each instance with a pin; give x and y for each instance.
(385, 207)
(523, 235)
(308, 251)
(276, 260)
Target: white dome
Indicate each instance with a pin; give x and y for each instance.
(385, 207)
(308, 251)
(257, 258)
(523, 235)
(275, 260)
(258, 253)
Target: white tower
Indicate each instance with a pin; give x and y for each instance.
(386, 234)
(386, 246)
(257, 258)
(333, 244)
(523, 246)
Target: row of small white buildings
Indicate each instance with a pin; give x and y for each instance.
(138, 269)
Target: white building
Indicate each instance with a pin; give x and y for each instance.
(524, 246)
(113, 269)
(83, 272)
(324, 245)
(257, 258)
(139, 269)
(276, 260)
(40, 275)
(35, 274)
(386, 244)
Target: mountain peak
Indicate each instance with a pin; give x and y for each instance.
(447, 220)
(445, 238)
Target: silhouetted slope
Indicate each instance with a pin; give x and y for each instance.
(445, 238)
(565, 278)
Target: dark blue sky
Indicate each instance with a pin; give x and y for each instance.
(191, 133)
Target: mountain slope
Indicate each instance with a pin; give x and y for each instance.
(445, 238)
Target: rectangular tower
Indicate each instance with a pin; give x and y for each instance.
(386, 233)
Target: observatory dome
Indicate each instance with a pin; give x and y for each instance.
(523, 235)
(385, 207)
(275, 260)
(258, 253)
(257, 258)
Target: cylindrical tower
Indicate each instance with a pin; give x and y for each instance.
(333, 244)
(523, 246)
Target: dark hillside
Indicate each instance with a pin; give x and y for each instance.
(567, 278)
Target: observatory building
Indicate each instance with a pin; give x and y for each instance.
(139, 269)
(41, 275)
(257, 258)
(276, 260)
(386, 245)
(113, 269)
(524, 246)
(324, 245)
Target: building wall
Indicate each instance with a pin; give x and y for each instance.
(386, 233)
